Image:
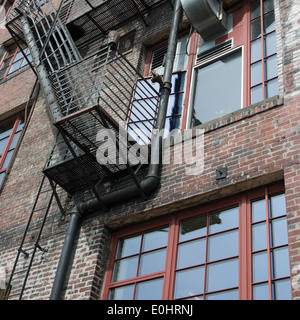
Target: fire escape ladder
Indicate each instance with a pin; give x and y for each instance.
(31, 239)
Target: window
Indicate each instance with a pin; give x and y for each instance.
(223, 70)
(13, 61)
(270, 255)
(264, 74)
(237, 249)
(10, 132)
(144, 107)
(218, 88)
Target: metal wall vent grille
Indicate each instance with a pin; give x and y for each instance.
(218, 49)
(158, 57)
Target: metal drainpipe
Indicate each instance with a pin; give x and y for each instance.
(148, 185)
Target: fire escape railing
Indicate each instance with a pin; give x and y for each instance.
(87, 95)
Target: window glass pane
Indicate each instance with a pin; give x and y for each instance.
(279, 232)
(18, 56)
(149, 290)
(258, 210)
(218, 88)
(256, 94)
(256, 50)
(281, 263)
(15, 140)
(268, 5)
(278, 205)
(225, 295)
(175, 104)
(193, 228)
(256, 73)
(122, 293)
(2, 72)
(178, 81)
(129, 246)
(283, 290)
(227, 219)
(144, 89)
(269, 22)
(191, 253)
(261, 291)
(259, 236)
(143, 109)
(6, 63)
(272, 88)
(255, 28)
(255, 9)
(7, 159)
(189, 282)
(155, 239)
(223, 245)
(152, 262)
(270, 44)
(125, 268)
(140, 131)
(15, 66)
(25, 63)
(223, 275)
(271, 67)
(260, 267)
(172, 124)
(3, 144)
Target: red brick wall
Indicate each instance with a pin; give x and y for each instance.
(258, 145)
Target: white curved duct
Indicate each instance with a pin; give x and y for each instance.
(206, 16)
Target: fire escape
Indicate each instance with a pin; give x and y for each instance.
(86, 95)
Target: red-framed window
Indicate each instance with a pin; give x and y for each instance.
(263, 64)
(10, 132)
(253, 76)
(234, 249)
(144, 106)
(230, 72)
(13, 61)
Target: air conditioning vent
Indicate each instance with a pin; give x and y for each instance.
(158, 57)
(218, 49)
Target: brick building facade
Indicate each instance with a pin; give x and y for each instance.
(230, 230)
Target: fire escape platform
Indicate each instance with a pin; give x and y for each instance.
(71, 162)
(94, 19)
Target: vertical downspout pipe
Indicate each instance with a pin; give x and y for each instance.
(148, 184)
(154, 169)
(65, 256)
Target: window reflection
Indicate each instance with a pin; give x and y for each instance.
(122, 293)
(145, 103)
(218, 88)
(140, 255)
(149, 290)
(270, 257)
(208, 252)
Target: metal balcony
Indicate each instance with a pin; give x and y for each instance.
(102, 91)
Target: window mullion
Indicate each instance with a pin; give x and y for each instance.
(206, 255)
(268, 244)
(245, 251)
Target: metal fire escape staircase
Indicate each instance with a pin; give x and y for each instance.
(86, 95)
